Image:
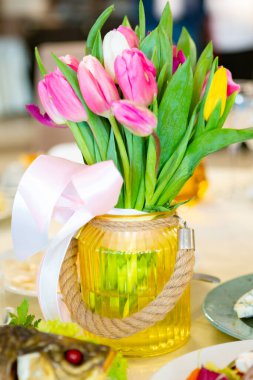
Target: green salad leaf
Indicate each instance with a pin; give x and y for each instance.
(22, 318)
(118, 369)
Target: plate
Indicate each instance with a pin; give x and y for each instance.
(20, 277)
(218, 307)
(221, 355)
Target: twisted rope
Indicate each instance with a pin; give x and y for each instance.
(120, 328)
(164, 221)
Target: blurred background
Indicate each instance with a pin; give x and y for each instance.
(62, 26)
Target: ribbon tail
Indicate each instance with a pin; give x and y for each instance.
(48, 279)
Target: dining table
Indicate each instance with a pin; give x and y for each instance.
(223, 224)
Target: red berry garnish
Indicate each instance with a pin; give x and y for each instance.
(74, 357)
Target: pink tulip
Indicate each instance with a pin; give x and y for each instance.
(48, 104)
(97, 87)
(63, 97)
(178, 58)
(52, 118)
(114, 44)
(139, 120)
(70, 61)
(130, 35)
(135, 74)
(232, 86)
(45, 119)
(58, 99)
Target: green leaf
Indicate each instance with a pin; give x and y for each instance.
(162, 81)
(42, 69)
(165, 51)
(155, 59)
(97, 50)
(97, 153)
(137, 30)
(142, 21)
(201, 147)
(113, 155)
(150, 174)
(173, 111)
(22, 311)
(137, 167)
(166, 21)
(141, 196)
(203, 66)
(126, 22)
(99, 126)
(187, 45)
(89, 158)
(88, 137)
(214, 118)
(158, 43)
(229, 105)
(23, 318)
(97, 27)
(175, 160)
(112, 151)
(149, 43)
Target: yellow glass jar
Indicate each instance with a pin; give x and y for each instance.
(122, 270)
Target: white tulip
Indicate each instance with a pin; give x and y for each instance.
(113, 45)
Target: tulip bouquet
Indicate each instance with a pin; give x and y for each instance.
(143, 102)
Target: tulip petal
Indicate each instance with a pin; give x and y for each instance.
(34, 111)
(114, 44)
(130, 35)
(178, 58)
(97, 87)
(70, 61)
(217, 91)
(139, 120)
(232, 86)
(64, 98)
(48, 104)
(135, 74)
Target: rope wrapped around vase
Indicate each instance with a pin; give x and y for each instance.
(155, 311)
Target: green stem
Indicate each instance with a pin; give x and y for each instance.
(124, 160)
(81, 142)
(158, 150)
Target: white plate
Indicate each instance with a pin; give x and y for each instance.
(221, 355)
(20, 291)
(20, 276)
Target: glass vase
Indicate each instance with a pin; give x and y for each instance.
(122, 270)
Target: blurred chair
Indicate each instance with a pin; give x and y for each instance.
(45, 138)
(15, 88)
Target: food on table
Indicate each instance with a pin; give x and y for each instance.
(21, 276)
(244, 306)
(239, 369)
(27, 354)
(2, 203)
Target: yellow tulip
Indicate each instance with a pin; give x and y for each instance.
(217, 91)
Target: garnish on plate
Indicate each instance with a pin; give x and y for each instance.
(240, 369)
(22, 318)
(244, 305)
(61, 352)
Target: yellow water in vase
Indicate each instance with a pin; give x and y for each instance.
(122, 271)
